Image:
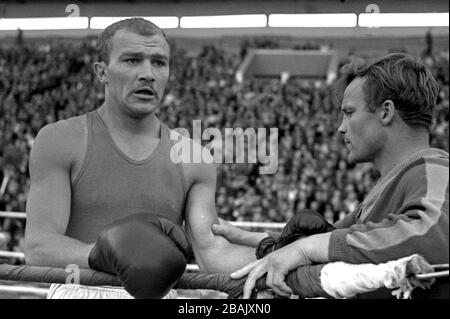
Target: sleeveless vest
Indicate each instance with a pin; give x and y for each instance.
(110, 185)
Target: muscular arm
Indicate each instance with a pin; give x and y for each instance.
(48, 205)
(212, 253)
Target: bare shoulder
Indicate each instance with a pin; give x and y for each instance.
(196, 160)
(62, 140)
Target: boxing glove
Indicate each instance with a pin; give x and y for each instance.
(147, 253)
(304, 223)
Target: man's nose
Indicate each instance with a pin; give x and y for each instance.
(342, 129)
(146, 72)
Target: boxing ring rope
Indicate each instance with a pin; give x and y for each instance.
(40, 291)
(403, 275)
(190, 267)
(12, 254)
(243, 224)
(19, 215)
(191, 280)
(21, 256)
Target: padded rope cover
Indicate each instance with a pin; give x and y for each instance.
(88, 277)
(303, 280)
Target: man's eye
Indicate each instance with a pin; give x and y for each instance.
(160, 63)
(131, 61)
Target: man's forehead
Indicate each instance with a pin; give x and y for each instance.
(125, 40)
(354, 90)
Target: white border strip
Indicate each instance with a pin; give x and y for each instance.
(67, 23)
(224, 21)
(167, 22)
(374, 20)
(321, 20)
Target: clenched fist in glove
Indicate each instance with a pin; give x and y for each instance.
(304, 223)
(147, 253)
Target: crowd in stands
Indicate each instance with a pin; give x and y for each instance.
(41, 83)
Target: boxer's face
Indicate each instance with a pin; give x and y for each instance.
(138, 71)
(363, 134)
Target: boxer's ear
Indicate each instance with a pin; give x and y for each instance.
(101, 71)
(387, 112)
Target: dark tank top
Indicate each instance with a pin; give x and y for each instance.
(111, 185)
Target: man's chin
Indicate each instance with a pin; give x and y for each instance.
(143, 109)
(352, 159)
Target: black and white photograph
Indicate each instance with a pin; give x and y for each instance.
(229, 157)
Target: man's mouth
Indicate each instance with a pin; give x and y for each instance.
(145, 92)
